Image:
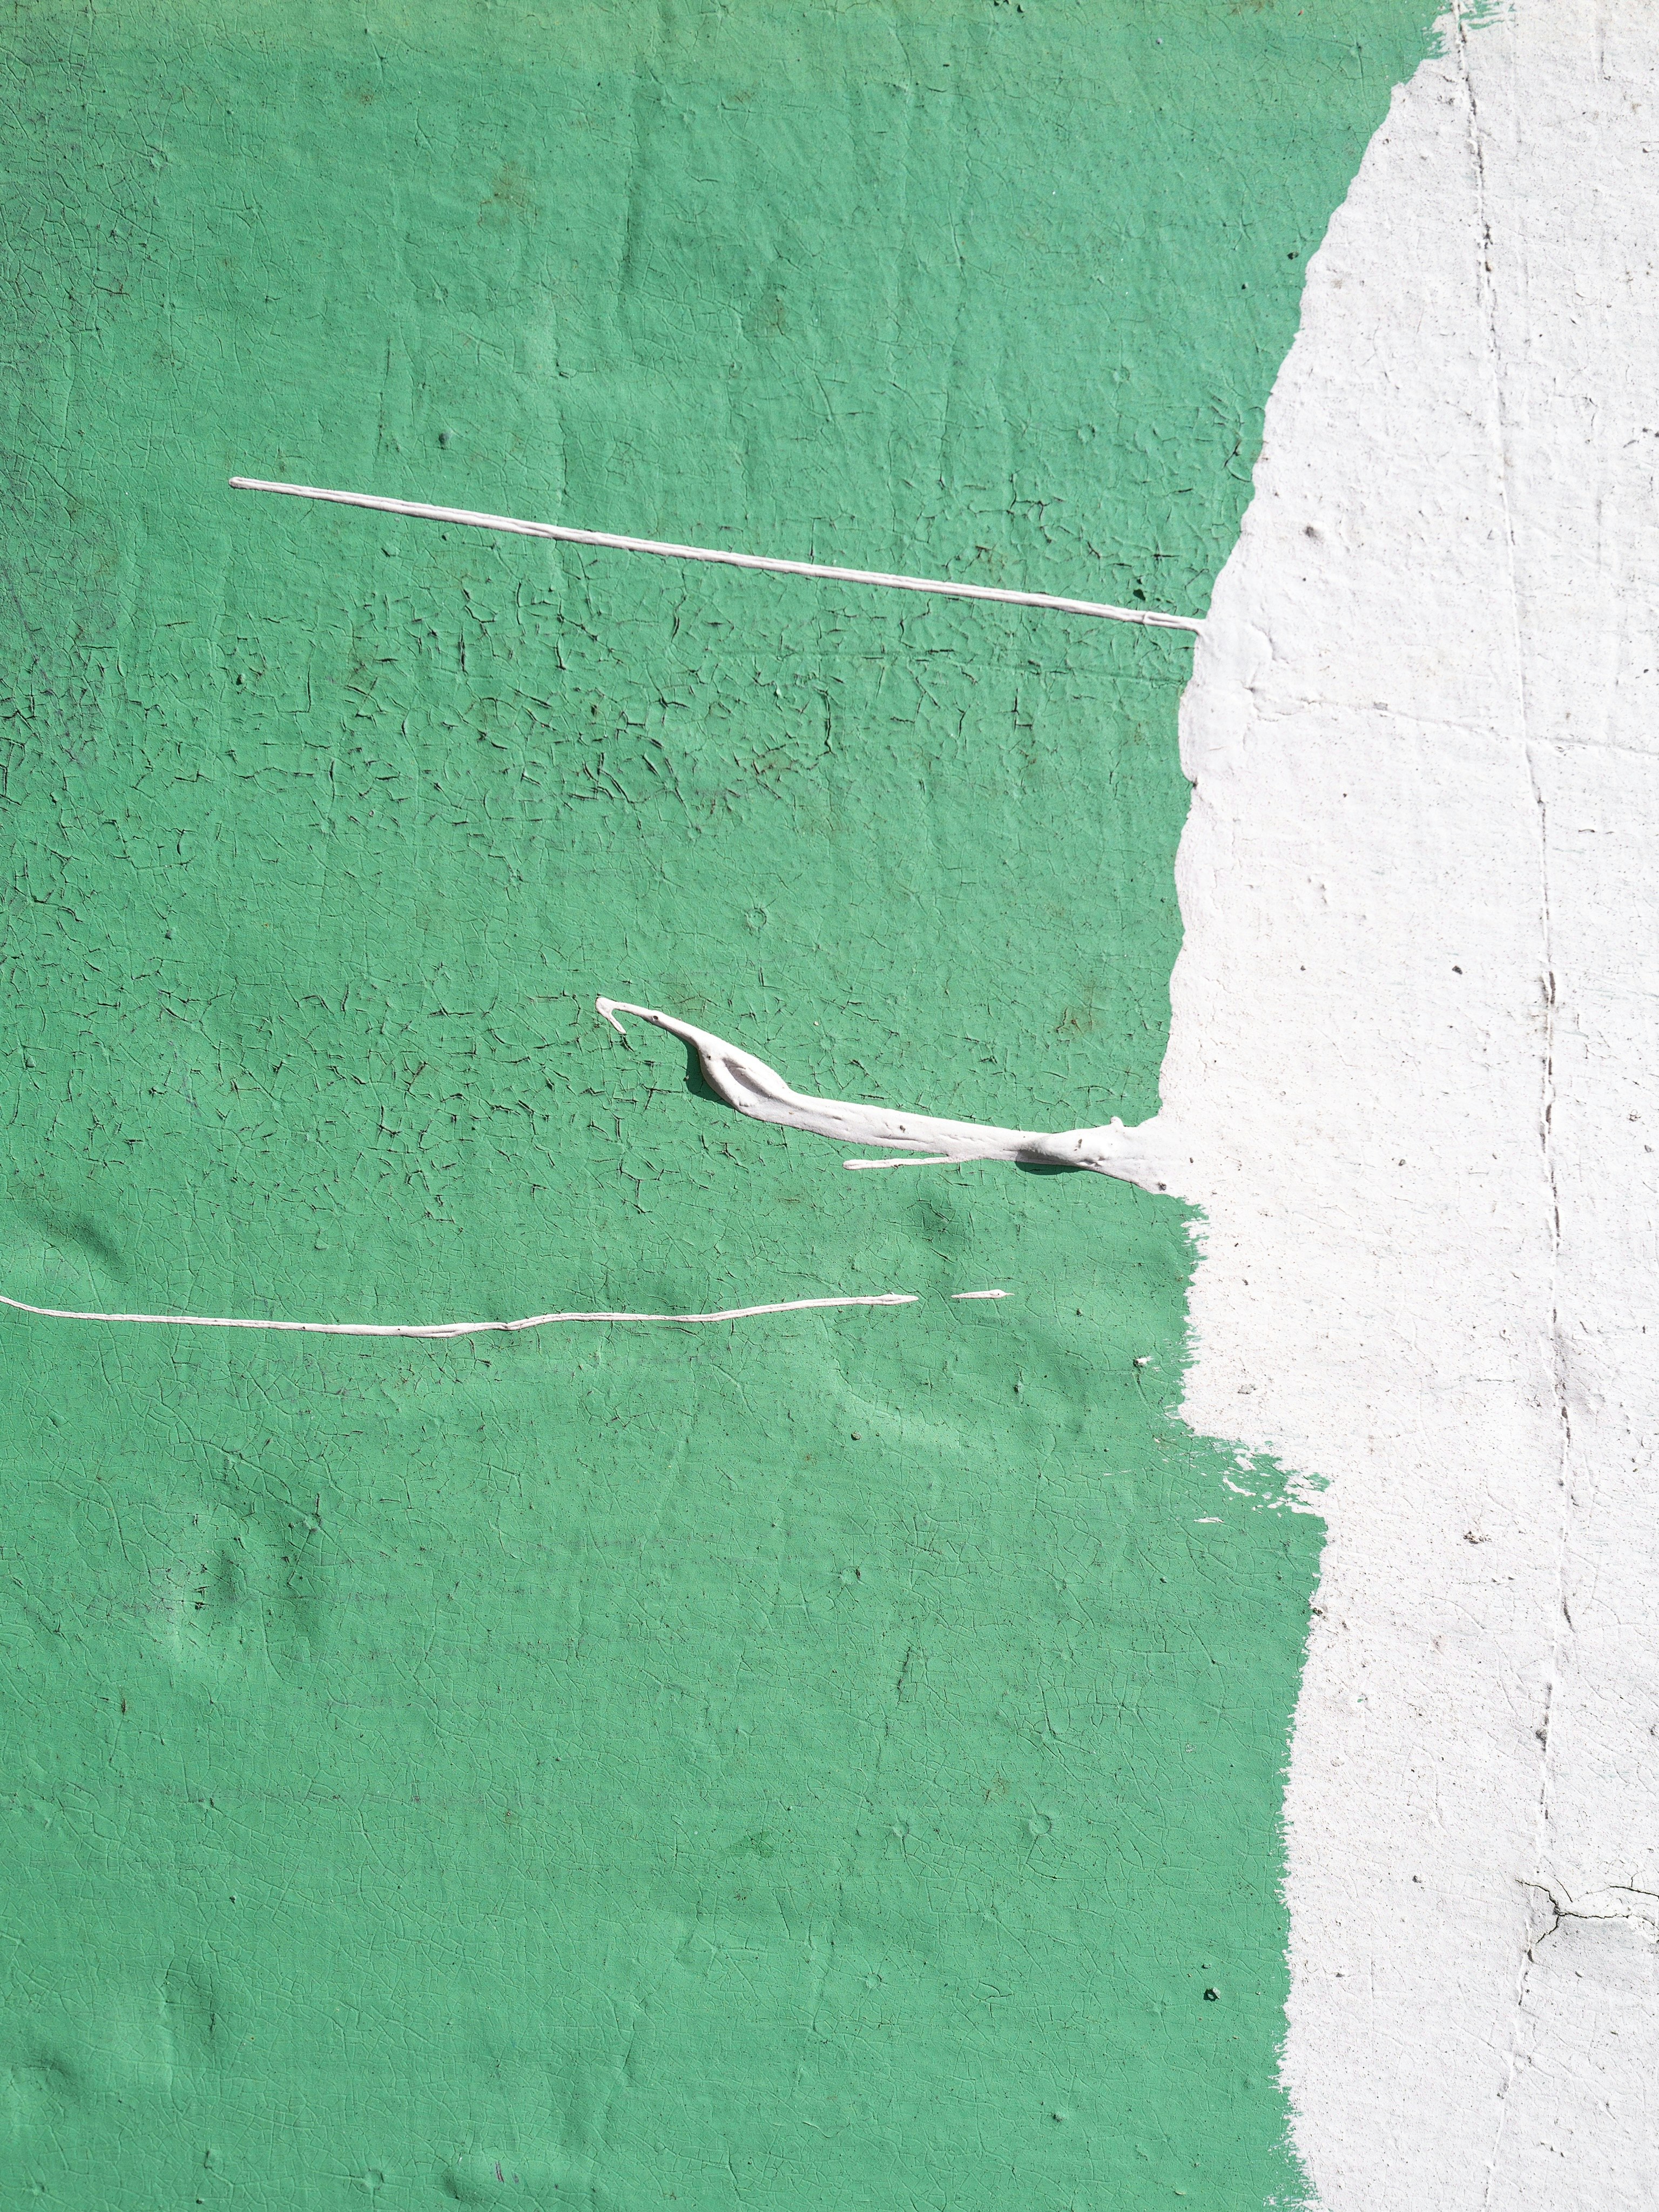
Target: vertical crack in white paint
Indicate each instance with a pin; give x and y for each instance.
(1413, 1081)
(1487, 289)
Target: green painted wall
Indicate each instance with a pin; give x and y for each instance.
(819, 1763)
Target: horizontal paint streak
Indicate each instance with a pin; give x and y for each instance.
(466, 1328)
(1149, 618)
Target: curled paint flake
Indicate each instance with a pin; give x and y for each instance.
(760, 1092)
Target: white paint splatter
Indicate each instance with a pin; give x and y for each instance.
(1413, 1080)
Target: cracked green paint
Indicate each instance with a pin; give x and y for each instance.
(821, 1763)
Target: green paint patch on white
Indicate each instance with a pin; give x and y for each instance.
(1413, 1079)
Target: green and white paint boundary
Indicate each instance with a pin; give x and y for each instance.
(1414, 1060)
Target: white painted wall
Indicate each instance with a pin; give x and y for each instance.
(1414, 1082)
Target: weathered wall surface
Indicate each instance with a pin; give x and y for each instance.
(820, 1765)
(1412, 1068)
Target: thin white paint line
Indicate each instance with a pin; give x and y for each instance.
(978, 1294)
(927, 1160)
(446, 1329)
(1148, 618)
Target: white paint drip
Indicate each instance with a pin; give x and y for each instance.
(760, 1092)
(447, 1328)
(1413, 1081)
(1148, 618)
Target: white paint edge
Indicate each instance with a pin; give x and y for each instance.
(1414, 1082)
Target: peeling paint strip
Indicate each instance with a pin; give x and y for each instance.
(1148, 618)
(443, 1328)
(760, 1092)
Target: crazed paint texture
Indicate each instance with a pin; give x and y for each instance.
(824, 1764)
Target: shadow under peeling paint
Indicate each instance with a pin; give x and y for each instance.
(326, 834)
